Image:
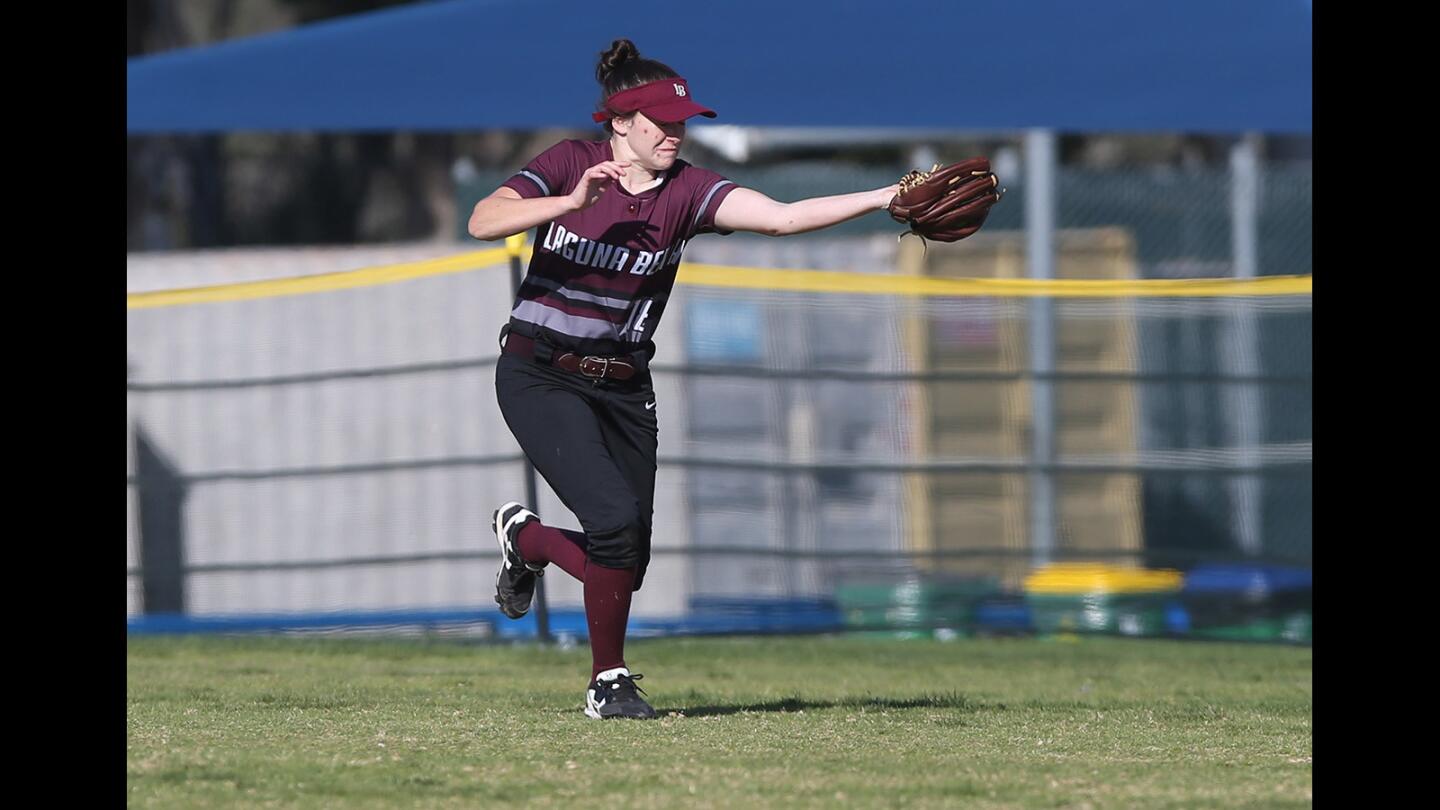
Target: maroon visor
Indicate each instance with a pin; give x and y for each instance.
(666, 101)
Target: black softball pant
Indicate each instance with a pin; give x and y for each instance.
(595, 444)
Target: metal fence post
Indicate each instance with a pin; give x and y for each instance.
(1241, 352)
(1040, 160)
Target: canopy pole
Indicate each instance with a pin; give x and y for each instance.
(1040, 162)
(1241, 353)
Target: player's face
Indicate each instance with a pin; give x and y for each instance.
(655, 144)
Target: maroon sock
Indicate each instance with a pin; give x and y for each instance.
(539, 543)
(607, 609)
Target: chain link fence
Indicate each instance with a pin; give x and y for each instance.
(340, 452)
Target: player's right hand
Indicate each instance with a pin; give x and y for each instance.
(595, 181)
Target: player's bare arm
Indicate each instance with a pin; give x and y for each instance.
(749, 210)
(504, 213)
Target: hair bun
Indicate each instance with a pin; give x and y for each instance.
(621, 51)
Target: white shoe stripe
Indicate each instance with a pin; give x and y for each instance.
(500, 538)
(520, 515)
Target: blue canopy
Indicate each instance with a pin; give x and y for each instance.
(1219, 66)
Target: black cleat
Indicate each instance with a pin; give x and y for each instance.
(613, 693)
(515, 581)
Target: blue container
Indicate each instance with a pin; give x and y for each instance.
(1246, 601)
(1001, 615)
(1251, 583)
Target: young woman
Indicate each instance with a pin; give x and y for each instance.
(612, 218)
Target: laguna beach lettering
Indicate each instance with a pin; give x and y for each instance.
(603, 256)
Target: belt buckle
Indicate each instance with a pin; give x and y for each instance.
(604, 369)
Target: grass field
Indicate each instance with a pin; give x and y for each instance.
(773, 722)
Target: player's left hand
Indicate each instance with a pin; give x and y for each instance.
(947, 204)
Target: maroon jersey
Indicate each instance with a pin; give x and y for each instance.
(599, 278)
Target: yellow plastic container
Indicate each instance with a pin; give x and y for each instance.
(1099, 598)
(1086, 578)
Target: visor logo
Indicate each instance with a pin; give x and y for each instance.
(679, 89)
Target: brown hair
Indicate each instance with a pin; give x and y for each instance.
(621, 68)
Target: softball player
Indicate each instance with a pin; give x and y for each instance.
(612, 218)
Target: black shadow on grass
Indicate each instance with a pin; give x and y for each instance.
(951, 700)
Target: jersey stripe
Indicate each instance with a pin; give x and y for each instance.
(566, 291)
(581, 310)
(536, 179)
(701, 212)
(607, 288)
(552, 318)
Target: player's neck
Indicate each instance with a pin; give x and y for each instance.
(637, 178)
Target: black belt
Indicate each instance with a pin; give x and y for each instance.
(593, 366)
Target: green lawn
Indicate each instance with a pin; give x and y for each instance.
(775, 722)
